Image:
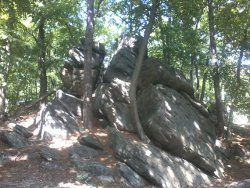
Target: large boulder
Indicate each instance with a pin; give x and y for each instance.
(173, 124)
(54, 121)
(77, 55)
(156, 166)
(112, 102)
(72, 74)
(72, 103)
(13, 139)
(123, 61)
(112, 97)
(73, 80)
(154, 72)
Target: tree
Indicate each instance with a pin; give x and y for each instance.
(41, 57)
(136, 73)
(88, 88)
(216, 73)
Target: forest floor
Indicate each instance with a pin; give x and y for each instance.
(25, 168)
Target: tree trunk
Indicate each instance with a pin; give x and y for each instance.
(2, 104)
(163, 39)
(204, 80)
(136, 73)
(10, 60)
(216, 74)
(197, 77)
(41, 57)
(87, 114)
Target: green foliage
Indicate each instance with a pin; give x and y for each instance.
(179, 38)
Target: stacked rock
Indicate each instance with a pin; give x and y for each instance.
(72, 74)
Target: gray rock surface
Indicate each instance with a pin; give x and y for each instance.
(111, 103)
(54, 121)
(90, 169)
(91, 141)
(174, 125)
(13, 139)
(73, 80)
(84, 152)
(73, 103)
(240, 184)
(130, 177)
(154, 72)
(72, 74)
(157, 167)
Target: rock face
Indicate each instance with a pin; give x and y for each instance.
(15, 136)
(55, 121)
(182, 149)
(174, 125)
(112, 97)
(72, 74)
(130, 177)
(159, 168)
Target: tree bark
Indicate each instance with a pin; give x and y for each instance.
(41, 57)
(9, 60)
(87, 114)
(204, 80)
(216, 73)
(136, 73)
(2, 103)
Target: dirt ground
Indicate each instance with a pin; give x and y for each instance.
(26, 168)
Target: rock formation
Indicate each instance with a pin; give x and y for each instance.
(182, 137)
(72, 74)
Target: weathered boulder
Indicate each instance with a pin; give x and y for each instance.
(54, 121)
(130, 177)
(13, 139)
(173, 124)
(25, 132)
(154, 72)
(157, 167)
(73, 80)
(83, 151)
(72, 103)
(91, 169)
(90, 140)
(77, 55)
(112, 97)
(240, 184)
(111, 102)
(72, 74)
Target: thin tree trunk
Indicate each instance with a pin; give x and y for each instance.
(216, 74)
(191, 76)
(163, 40)
(10, 59)
(197, 77)
(41, 57)
(136, 73)
(204, 80)
(2, 103)
(88, 88)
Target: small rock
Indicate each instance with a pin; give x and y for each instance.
(93, 167)
(13, 139)
(23, 131)
(49, 154)
(91, 141)
(83, 151)
(82, 176)
(106, 179)
(131, 178)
